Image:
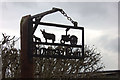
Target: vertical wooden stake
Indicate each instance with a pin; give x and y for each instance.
(26, 64)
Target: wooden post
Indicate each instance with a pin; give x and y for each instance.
(26, 64)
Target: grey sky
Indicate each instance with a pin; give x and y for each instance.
(100, 20)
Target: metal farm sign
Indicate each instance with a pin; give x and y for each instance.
(35, 48)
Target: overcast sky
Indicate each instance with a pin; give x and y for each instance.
(99, 19)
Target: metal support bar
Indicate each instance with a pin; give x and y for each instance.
(57, 44)
(39, 16)
(83, 42)
(58, 25)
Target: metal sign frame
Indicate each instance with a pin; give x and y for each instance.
(31, 30)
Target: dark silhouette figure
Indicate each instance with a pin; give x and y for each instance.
(36, 39)
(66, 38)
(48, 36)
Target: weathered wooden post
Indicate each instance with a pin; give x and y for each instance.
(26, 63)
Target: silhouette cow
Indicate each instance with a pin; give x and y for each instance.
(48, 36)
